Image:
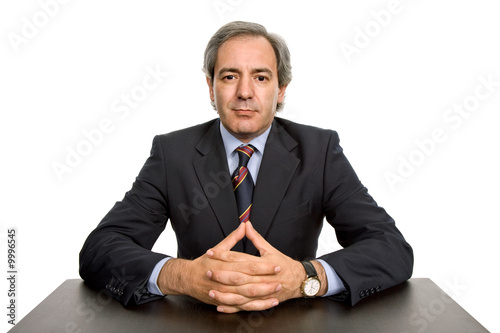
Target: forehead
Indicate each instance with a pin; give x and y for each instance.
(246, 51)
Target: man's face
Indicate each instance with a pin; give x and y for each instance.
(245, 86)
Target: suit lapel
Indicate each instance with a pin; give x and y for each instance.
(276, 172)
(213, 175)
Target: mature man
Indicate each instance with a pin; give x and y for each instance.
(286, 178)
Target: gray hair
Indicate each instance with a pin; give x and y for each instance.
(238, 29)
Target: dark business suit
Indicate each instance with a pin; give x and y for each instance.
(303, 177)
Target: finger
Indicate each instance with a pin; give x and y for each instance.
(231, 256)
(245, 294)
(230, 278)
(230, 241)
(257, 240)
(255, 305)
(244, 275)
(258, 290)
(256, 268)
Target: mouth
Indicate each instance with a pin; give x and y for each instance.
(243, 111)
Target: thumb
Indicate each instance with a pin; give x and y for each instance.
(257, 240)
(230, 241)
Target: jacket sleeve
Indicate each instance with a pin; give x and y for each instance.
(116, 257)
(375, 255)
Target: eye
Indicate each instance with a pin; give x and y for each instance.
(261, 78)
(229, 77)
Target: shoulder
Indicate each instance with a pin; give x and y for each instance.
(188, 136)
(306, 134)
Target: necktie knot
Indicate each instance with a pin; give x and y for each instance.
(244, 154)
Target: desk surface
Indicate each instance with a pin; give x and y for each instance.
(414, 306)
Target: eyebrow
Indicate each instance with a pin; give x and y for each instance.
(235, 70)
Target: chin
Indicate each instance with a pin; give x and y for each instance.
(245, 131)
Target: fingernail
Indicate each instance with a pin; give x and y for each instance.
(209, 274)
(220, 309)
(210, 253)
(211, 294)
(275, 303)
(277, 269)
(278, 288)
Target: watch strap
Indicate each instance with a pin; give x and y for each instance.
(310, 270)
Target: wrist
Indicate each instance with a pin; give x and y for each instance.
(300, 276)
(311, 285)
(322, 277)
(311, 272)
(172, 277)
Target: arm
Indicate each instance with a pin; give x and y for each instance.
(375, 255)
(117, 255)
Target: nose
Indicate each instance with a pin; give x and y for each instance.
(245, 88)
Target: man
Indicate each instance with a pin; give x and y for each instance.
(300, 175)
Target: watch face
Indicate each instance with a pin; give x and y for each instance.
(311, 287)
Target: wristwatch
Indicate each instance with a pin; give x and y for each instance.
(312, 284)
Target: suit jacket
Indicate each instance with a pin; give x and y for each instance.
(303, 178)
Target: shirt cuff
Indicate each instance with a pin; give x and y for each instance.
(152, 286)
(335, 285)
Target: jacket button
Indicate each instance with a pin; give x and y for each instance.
(362, 294)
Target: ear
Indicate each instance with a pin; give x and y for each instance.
(210, 88)
(281, 94)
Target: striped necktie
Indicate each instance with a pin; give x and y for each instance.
(243, 182)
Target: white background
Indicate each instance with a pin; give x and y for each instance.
(65, 76)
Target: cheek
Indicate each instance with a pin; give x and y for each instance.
(222, 96)
(273, 95)
(270, 100)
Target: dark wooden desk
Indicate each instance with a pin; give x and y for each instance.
(415, 306)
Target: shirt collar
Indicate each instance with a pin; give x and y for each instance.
(231, 143)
